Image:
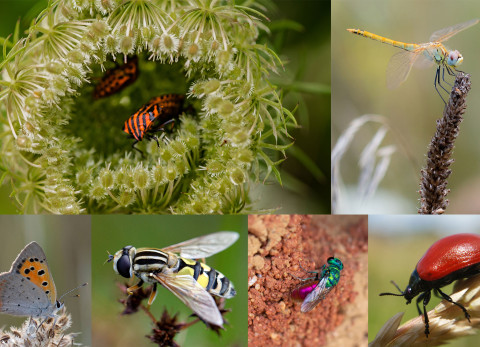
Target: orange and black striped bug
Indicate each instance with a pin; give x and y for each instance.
(153, 117)
(117, 78)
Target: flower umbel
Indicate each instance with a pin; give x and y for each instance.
(64, 151)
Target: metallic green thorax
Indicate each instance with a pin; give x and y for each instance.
(332, 272)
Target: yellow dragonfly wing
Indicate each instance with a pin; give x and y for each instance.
(446, 33)
(399, 67)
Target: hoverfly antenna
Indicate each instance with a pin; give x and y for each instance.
(109, 259)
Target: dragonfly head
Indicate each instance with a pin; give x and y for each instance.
(454, 58)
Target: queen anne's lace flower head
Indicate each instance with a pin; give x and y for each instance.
(64, 151)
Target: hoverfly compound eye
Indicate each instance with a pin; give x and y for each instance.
(123, 264)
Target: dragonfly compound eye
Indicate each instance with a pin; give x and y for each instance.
(454, 58)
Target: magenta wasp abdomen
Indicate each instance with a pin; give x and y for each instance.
(318, 286)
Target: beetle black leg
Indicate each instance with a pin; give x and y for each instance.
(426, 300)
(449, 299)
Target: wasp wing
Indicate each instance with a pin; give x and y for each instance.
(317, 295)
(204, 246)
(192, 294)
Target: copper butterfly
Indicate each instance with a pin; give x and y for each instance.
(28, 288)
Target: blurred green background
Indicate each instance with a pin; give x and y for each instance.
(112, 233)
(300, 34)
(358, 84)
(395, 245)
(65, 241)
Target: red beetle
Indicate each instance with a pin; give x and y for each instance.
(447, 260)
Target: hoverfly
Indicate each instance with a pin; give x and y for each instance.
(319, 286)
(191, 281)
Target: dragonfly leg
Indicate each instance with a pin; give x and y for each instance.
(437, 78)
(443, 75)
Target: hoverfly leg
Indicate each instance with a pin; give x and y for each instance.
(134, 288)
(153, 295)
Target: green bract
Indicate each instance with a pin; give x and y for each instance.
(64, 152)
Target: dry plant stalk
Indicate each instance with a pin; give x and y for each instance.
(433, 186)
(37, 332)
(447, 321)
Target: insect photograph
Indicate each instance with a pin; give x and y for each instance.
(431, 264)
(44, 264)
(302, 269)
(179, 269)
(310, 294)
(386, 100)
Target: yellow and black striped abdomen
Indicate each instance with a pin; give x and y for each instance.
(212, 280)
(399, 44)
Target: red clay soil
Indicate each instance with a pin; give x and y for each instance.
(277, 245)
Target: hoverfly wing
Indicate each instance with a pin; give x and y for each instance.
(317, 295)
(192, 294)
(204, 246)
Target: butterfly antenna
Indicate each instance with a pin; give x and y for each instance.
(71, 290)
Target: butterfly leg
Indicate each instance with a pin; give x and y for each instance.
(134, 288)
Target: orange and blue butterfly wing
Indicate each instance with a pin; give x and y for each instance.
(28, 288)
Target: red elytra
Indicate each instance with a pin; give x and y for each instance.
(449, 254)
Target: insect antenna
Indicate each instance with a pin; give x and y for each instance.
(71, 290)
(393, 294)
(109, 259)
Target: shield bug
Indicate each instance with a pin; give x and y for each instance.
(451, 258)
(191, 281)
(318, 286)
(153, 117)
(117, 78)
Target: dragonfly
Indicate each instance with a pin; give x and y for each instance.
(422, 55)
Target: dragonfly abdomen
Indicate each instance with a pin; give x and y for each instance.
(212, 280)
(399, 44)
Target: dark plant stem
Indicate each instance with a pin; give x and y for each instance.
(433, 185)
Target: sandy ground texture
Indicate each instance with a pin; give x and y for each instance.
(277, 245)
